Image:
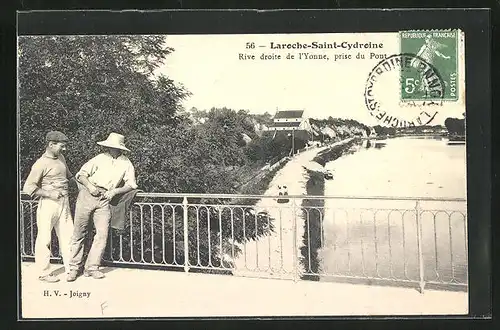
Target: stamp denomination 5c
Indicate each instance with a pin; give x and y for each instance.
(438, 48)
(383, 79)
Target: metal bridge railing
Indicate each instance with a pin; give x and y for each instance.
(397, 240)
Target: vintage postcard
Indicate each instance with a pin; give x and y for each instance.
(242, 175)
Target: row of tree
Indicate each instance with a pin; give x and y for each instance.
(413, 130)
(455, 126)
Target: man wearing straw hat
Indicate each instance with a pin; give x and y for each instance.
(106, 175)
(48, 180)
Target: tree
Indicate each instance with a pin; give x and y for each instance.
(455, 126)
(89, 86)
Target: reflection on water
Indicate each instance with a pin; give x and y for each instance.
(401, 167)
(358, 241)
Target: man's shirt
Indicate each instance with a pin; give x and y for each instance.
(107, 172)
(48, 173)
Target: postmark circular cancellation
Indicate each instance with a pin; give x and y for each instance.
(386, 85)
(407, 89)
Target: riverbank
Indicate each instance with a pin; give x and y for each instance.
(332, 153)
(313, 212)
(273, 255)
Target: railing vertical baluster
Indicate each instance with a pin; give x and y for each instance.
(50, 245)
(209, 231)
(436, 253)
(451, 248)
(295, 252)
(121, 247)
(142, 233)
(232, 233)
(391, 268)
(174, 261)
(420, 248)
(348, 226)
(405, 260)
(163, 252)
(321, 228)
(186, 236)
(375, 240)
(308, 220)
(282, 268)
(466, 244)
(32, 230)
(269, 243)
(21, 229)
(334, 240)
(109, 246)
(256, 239)
(245, 238)
(131, 243)
(198, 210)
(151, 214)
(221, 249)
(361, 225)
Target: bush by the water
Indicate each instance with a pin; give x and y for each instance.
(333, 153)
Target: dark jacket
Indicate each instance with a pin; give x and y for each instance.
(120, 206)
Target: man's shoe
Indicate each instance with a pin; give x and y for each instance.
(72, 276)
(94, 274)
(48, 278)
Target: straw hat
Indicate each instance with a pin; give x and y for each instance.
(114, 140)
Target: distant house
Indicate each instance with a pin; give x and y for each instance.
(286, 121)
(246, 138)
(328, 131)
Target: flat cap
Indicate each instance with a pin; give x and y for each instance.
(56, 136)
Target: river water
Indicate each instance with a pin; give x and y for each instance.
(378, 238)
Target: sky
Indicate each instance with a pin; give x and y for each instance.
(209, 66)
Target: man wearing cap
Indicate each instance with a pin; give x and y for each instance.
(106, 175)
(48, 180)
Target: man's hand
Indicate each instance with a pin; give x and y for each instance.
(110, 194)
(90, 187)
(93, 190)
(55, 195)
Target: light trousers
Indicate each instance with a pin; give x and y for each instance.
(52, 214)
(87, 207)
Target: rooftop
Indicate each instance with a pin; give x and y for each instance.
(289, 114)
(286, 124)
(155, 293)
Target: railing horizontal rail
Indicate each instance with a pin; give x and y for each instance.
(311, 237)
(237, 196)
(230, 196)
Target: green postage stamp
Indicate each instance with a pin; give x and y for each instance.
(437, 49)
